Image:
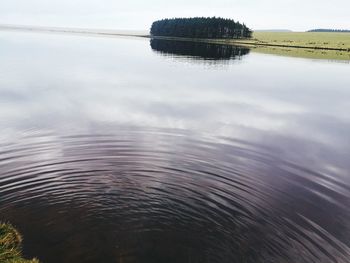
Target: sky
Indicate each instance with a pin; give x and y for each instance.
(297, 15)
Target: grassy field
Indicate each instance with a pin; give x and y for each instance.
(10, 246)
(304, 53)
(317, 45)
(339, 41)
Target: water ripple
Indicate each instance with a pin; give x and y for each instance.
(162, 197)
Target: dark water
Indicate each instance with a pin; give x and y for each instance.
(115, 151)
(195, 50)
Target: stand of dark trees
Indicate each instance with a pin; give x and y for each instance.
(330, 30)
(200, 27)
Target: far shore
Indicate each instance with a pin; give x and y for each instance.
(106, 32)
(299, 44)
(329, 46)
(260, 43)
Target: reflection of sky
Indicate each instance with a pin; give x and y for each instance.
(274, 138)
(61, 82)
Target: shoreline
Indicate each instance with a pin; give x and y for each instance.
(254, 42)
(248, 42)
(83, 31)
(11, 245)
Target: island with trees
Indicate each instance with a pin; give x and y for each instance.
(201, 27)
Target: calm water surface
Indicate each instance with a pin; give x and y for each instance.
(126, 150)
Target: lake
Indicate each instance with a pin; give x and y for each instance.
(122, 149)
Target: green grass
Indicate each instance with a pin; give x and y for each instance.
(10, 246)
(313, 43)
(304, 53)
(339, 41)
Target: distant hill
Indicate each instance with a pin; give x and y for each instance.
(273, 30)
(330, 30)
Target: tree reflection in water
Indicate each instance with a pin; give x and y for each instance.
(198, 50)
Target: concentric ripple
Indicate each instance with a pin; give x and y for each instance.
(146, 196)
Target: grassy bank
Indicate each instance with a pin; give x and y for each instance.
(313, 40)
(10, 246)
(307, 40)
(331, 46)
(304, 53)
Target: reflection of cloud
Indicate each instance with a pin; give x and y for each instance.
(122, 82)
(266, 139)
(95, 81)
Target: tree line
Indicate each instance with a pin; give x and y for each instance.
(200, 27)
(330, 30)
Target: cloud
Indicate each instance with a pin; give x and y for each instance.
(292, 14)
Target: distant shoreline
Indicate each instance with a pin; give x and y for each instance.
(127, 33)
(260, 39)
(249, 42)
